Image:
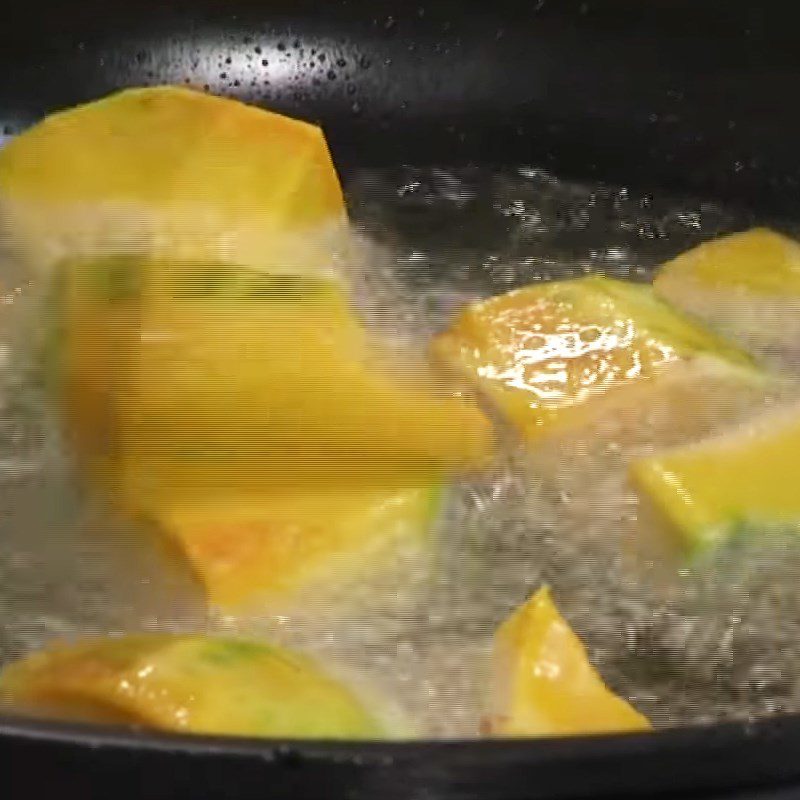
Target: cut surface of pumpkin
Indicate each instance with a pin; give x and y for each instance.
(758, 261)
(174, 173)
(208, 384)
(543, 684)
(270, 545)
(550, 354)
(244, 390)
(188, 683)
(707, 491)
(747, 286)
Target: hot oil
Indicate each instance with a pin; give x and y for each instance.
(716, 641)
(69, 564)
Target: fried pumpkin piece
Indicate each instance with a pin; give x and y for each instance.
(188, 683)
(711, 490)
(246, 414)
(254, 380)
(543, 684)
(175, 173)
(273, 545)
(746, 285)
(552, 354)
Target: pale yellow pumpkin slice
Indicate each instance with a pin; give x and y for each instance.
(257, 382)
(552, 354)
(758, 261)
(270, 546)
(174, 173)
(191, 684)
(710, 490)
(246, 414)
(543, 684)
(746, 285)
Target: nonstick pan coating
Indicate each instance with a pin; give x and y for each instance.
(689, 96)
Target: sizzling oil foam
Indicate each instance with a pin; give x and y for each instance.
(719, 640)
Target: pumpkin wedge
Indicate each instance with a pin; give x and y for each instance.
(267, 547)
(746, 285)
(711, 490)
(190, 684)
(174, 173)
(543, 684)
(550, 355)
(270, 381)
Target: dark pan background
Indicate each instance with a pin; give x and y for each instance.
(694, 96)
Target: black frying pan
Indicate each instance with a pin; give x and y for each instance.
(690, 96)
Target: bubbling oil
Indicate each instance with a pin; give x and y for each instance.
(716, 641)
